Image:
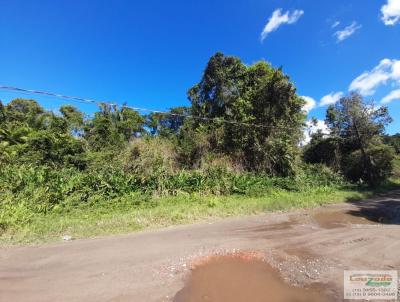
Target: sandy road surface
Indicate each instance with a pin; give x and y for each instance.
(305, 246)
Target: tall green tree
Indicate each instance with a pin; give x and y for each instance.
(251, 113)
(25, 111)
(73, 117)
(28, 133)
(111, 127)
(359, 125)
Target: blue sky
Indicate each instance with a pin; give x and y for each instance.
(148, 53)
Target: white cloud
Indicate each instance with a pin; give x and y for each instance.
(391, 12)
(335, 24)
(330, 99)
(310, 103)
(311, 129)
(369, 81)
(392, 96)
(277, 19)
(348, 31)
(396, 70)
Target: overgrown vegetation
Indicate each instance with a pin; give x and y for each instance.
(354, 146)
(235, 150)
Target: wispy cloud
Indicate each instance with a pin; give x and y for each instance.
(392, 96)
(335, 24)
(277, 19)
(391, 12)
(386, 72)
(310, 103)
(330, 99)
(369, 81)
(347, 32)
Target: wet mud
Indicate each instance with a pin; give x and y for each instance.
(233, 279)
(282, 226)
(335, 219)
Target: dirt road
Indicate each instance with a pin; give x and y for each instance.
(310, 248)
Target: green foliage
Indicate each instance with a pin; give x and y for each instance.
(146, 157)
(2, 113)
(169, 124)
(229, 90)
(25, 111)
(138, 212)
(111, 127)
(394, 141)
(151, 161)
(381, 160)
(40, 190)
(53, 164)
(193, 145)
(357, 127)
(396, 167)
(322, 150)
(14, 215)
(248, 96)
(73, 117)
(29, 134)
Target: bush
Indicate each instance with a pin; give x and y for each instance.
(14, 215)
(193, 146)
(42, 187)
(377, 169)
(318, 175)
(151, 161)
(147, 157)
(322, 151)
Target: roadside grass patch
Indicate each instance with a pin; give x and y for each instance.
(108, 218)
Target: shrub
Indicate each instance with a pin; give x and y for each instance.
(378, 167)
(14, 215)
(219, 161)
(318, 175)
(149, 156)
(322, 151)
(151, 161)
(193, 146)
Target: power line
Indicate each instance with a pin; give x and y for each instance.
(99, 103)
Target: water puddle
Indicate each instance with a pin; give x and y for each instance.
(336, 219)
(285, 225)
(233, 279)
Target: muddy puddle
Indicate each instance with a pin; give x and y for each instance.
(233, 279)
(334, 219)
(326, 218)
(274, 227)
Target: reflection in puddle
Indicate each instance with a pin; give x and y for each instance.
(233, 279)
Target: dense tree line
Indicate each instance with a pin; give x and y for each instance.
(264, 113)
(241, 134)
(246, 117)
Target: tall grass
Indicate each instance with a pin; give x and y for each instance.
(27, 191)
